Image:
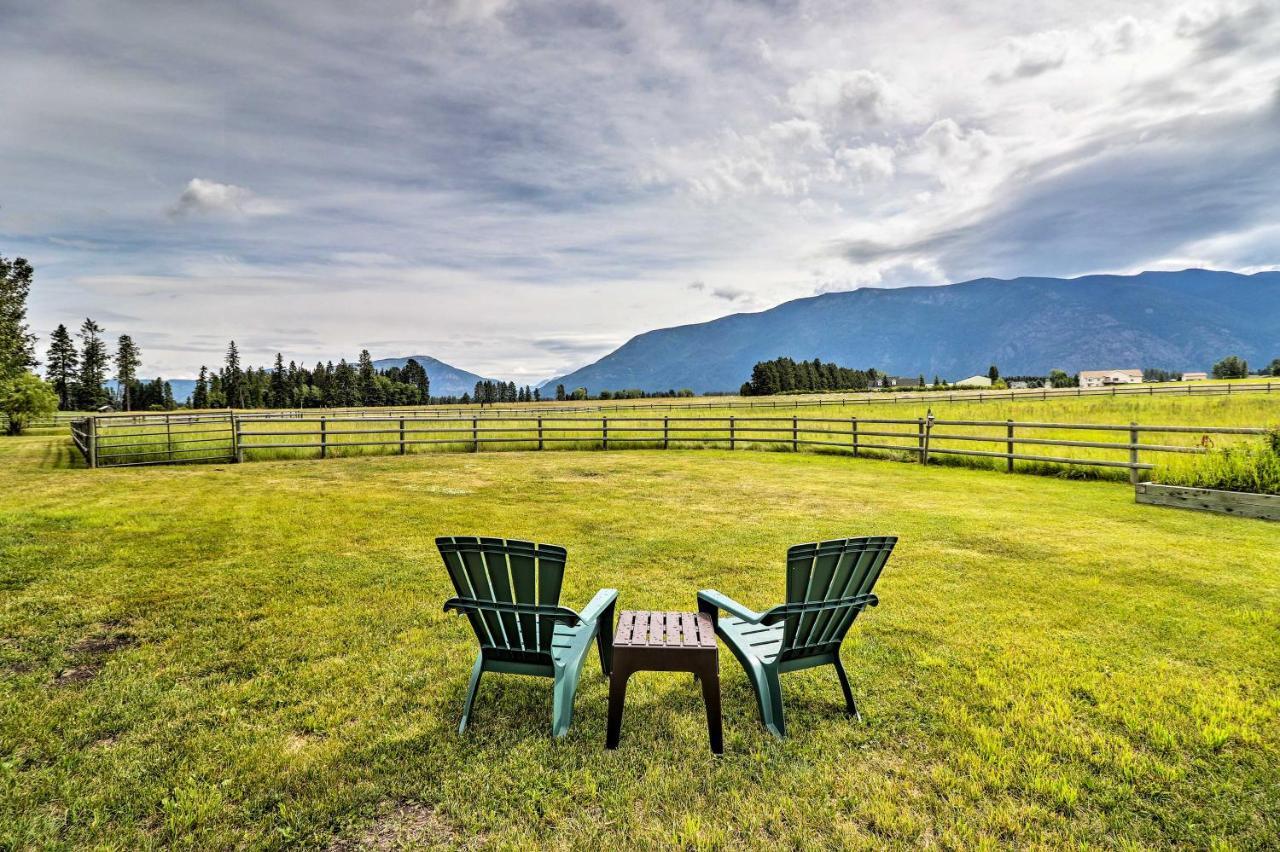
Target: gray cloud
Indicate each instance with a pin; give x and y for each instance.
(439, 171)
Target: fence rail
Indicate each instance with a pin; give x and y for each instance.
(231, 437)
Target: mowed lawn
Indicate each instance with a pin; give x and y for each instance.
(255, 656)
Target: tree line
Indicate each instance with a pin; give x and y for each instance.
(784, 375)
(326, 385)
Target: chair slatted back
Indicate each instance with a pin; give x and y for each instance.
(839, 573)
(507, 571)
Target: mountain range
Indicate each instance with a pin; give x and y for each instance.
(446, 379)
(1179, 321)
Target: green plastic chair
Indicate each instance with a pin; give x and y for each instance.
(828, 584)
(510, 592)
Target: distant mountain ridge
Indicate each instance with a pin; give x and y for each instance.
(1181, 321)
(446, 379)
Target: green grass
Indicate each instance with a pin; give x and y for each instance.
(1253, 467)
(344, 436)
(254, 656)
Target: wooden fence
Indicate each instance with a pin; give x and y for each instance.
(772, 403)
(111, 442)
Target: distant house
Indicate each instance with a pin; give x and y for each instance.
(1194, 377)
(974, 382)
(1018, 385)
(901, 381)
(1103, 378)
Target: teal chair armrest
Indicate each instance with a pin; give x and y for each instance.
(710, 601)
(604, 599)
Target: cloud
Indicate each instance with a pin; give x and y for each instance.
(732, 294)
(449, 180)
(850, 103)
(210, 197)
(1033, 55)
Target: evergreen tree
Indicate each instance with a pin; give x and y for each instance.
(60, 368)
(233, 379)
(128, 359)
(90, 393)
(200, 395)
(278, 396)
(17, 343)
(993, 374)
(345, 383)
(560, 395)
(368, 391)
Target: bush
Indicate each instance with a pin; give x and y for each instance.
(25, 397)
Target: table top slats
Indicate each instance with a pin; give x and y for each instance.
(675, 630)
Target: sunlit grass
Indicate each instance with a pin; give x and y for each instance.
(641, 428)
(254, 656)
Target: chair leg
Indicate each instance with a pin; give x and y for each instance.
(774, 720)
(476, 671)
(851, 706)
(566, 684)
(769, 698)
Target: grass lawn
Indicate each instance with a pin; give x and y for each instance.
(254, 656)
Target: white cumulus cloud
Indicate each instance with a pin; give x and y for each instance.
(209, 196)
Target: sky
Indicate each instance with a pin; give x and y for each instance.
(517, 188)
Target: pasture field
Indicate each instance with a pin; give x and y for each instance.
(254, 656)
(638, 427)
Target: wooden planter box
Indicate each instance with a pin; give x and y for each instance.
(1242, 503)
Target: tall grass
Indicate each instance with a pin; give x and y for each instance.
(1252, 467)
(830, 427)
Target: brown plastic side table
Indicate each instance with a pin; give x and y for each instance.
(665, 642)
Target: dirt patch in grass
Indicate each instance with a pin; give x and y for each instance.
(404, 825)
(75, 674)
(104, 643)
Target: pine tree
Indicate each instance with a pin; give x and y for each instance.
(993, 374)
(233, 378)
(128, 359)
(278, 397)
(90, 393)
(61, 367)
(367, 390)
(17, 343)
(200, 395)
(560, 395)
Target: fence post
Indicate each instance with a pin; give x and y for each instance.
(168, 435)
(853, 427)
(324, 437)
(928, 429)
(795, 435)
(604, 431)
(401, 436)
(539, 433)
(475, 435)
(1135, 476)
(235, 439)
(93, 441)
(732, 432)
(1008, 448)
(920, 441)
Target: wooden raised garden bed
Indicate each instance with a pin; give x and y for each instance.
(1242, 503)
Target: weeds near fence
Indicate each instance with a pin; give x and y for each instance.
(1252, 467)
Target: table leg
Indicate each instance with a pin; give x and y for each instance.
(617, 700)
(710, 678)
